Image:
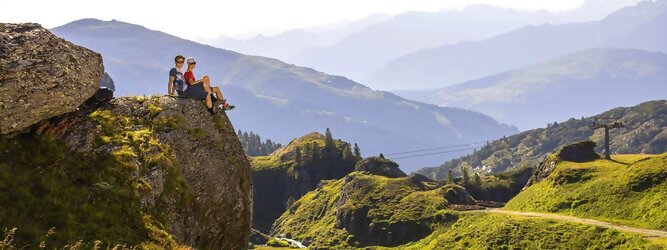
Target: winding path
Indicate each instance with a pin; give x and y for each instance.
(645, 232)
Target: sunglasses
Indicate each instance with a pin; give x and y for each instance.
(193, 63)
(179, 61)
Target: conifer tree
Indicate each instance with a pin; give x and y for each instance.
(450, 177)
(308, 152)
(330, 151)
(347, 154)
(478, 180)
(382, 156)
(357, 152)
(465, 175)
(297, 156)
(315, 154)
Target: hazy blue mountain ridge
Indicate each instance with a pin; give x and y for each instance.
(641, 26)
(359, 54)
(287, 44)
(575, 85)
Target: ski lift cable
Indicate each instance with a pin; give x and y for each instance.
(431, 149)
(443, 152)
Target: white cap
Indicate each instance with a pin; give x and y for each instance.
(190, 60)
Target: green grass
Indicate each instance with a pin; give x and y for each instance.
(277, 243)
(489, 231)
(629, 190)
(45, 186)
(386, 203)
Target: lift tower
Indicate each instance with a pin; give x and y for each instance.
(606, 126)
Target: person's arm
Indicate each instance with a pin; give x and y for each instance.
(191, 80)
(170, 85)
(200, 80)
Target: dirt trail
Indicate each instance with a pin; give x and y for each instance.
(645, 232)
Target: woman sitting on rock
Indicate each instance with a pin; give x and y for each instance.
(201, 89)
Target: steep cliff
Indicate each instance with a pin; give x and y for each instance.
(153, 172)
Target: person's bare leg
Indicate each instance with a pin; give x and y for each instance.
(207, 84)
(217, 92)
(209, 104)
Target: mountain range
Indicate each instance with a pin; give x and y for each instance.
(290, 43)
(357, 48)
(579, 84)
(282, 101)
(361, 53)
(637, 27)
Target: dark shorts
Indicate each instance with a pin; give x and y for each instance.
(196, 91)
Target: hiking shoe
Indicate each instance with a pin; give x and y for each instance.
(228, 107)
(211, 111)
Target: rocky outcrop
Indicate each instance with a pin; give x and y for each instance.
(175, 144)
(42, 76)
(154, 172)
(380, 166)
(583, 151)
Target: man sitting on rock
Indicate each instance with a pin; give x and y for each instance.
(176, 82)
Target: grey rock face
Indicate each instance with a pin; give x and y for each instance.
(42, 76)
(199, 177)
(579, 152)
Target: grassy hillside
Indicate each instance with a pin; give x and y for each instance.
(644, 133)
(280, 178)
(365, 210)
(629, 189)
(487, 231)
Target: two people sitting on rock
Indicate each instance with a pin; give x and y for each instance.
(186, 86)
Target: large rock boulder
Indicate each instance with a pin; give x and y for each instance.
(198, 178)
(583, 151)
(42, 76)
(380, 166)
